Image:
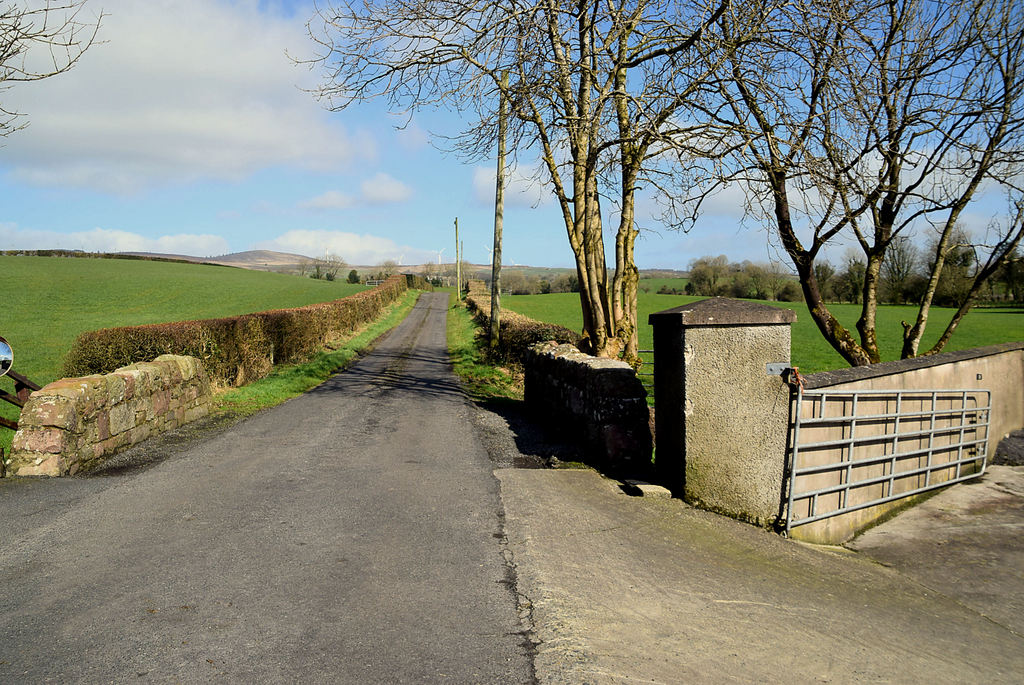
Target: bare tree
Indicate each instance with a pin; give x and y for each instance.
(898, 267)
(594, 90)
(825, 273)
(331, 265)
(430, 270)
(707, 275)
(862, 120)
(37, 42)
(776, 278)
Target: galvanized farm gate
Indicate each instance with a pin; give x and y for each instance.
(853, 449)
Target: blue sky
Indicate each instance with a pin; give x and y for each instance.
(187, 131)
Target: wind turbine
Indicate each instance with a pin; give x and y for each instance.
(439, 253)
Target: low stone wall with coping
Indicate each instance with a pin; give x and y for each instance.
(601, 400)
(74, 424)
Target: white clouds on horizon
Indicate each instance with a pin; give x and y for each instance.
(179, 91)
(363, 249)
(108, 240)
(353, 248)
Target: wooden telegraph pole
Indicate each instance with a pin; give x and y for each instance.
(458, 263)
(499, 218)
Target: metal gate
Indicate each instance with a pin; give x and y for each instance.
(855, 449)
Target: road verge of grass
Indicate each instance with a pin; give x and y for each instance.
(466, 347)
(290, 380)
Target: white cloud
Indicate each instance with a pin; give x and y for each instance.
(332, 199)
(180, 90)
(108, 240)
(353, 248)
(521, 189)
(412, 138)
(381, 189)
(384, 189)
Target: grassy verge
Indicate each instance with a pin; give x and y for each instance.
(291, 380)
(466, 348)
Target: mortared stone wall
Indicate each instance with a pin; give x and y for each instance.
(600, 400)
(74, 424)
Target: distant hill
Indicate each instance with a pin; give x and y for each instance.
(259, 260)
(287, 262)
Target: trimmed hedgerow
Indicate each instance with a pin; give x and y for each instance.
(415, 282)
(238, 349)
(517, 332)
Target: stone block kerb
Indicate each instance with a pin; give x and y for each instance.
(74, 424)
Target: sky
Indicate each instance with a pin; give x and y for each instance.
(188, 130)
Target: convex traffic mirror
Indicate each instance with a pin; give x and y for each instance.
(6, 357)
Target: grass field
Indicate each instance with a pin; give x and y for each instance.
(652, 285)
(48, 301)
(809, 350)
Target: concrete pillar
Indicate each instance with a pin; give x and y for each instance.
(721, 407)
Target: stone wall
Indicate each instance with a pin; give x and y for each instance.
(74, 424)
(600, 400)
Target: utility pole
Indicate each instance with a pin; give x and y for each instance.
(458, 263)
(499, 218)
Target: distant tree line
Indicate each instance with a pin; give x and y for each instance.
(717, 277)
(903, 278)
(906, 271)
(518, 283)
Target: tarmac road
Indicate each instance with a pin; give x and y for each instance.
(351, 535)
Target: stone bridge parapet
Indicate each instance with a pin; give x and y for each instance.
(74, 424)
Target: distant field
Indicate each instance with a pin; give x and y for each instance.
(48, 301)
(809, 350)
(653, 285)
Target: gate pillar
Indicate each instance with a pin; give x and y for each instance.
(721, 407)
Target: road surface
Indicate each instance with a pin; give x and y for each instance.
(351, 535)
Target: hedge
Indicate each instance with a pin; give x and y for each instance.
(517, 333)
(238, 349)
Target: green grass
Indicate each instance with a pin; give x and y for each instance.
(809, 350)
(654, 284)
(48, 301)
(465, 347)
(290, 380)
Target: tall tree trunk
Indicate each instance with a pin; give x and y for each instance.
(499, 217)
(869, 308)
(841, 340)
